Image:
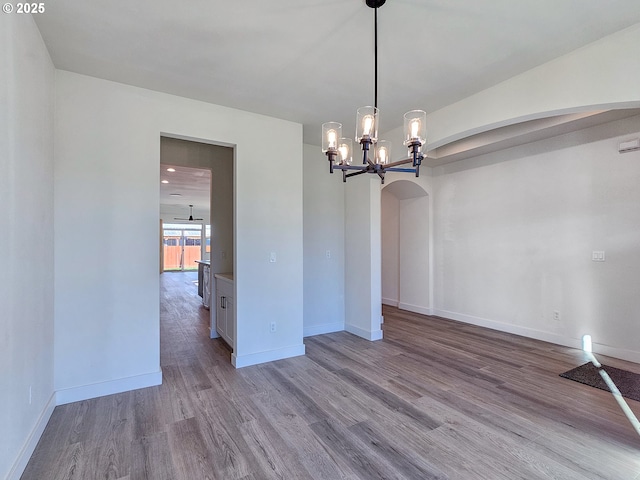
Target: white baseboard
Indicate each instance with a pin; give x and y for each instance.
(366, 334)
(615, 352)
(213, 333)
(240, 361)
(415, 308)
(621, 353)
(322, 329)
(30, 445)
(85, 392)
(390, 301)
(515, 329)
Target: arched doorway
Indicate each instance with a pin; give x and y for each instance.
(405, 225)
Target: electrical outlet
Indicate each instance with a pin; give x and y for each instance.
(272, 327)
(556, 315)
(272, 257)
(328, 253)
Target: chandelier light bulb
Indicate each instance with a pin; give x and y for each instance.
(367, 123)
(331, 132)
(331, 138)
(382, 156)
(415, 128)
(345, 151)
(383, 152)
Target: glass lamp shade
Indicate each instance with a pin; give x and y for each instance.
(331, 133)
(415, 127)
(383, 152)
(345, 148)
(367, 124)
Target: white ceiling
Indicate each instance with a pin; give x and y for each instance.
(311, 61)
(193, 185)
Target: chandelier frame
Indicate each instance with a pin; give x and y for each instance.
(414, 143)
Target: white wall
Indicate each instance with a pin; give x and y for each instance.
(414, 254)
(324, 231)
(515, 231)
(598, 76)
(26, 219)
(390, 226)
(107, 183)
(363, 262)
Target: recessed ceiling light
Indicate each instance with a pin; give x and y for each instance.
(165, 181)
(171, 169)
(175, 195)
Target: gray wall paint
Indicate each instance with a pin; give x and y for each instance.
(324, 230)
(515, 231)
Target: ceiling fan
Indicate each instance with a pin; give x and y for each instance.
(190, 219)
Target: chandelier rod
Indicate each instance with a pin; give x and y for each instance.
(375, 57)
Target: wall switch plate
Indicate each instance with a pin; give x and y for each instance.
(272, 257)
(597, 256)
(556, 315)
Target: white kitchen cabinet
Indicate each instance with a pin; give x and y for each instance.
(225, 307)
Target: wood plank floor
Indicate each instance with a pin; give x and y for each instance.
(435, 399)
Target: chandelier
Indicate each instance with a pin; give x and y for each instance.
(376, 154)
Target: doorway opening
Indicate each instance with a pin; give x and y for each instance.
(196, 223)
(182, 246)
(185, 230)
(405, 247)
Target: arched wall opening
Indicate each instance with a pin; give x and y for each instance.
(405, 232)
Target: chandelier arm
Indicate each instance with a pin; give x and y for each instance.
(397, 169)
(399, 162)
(353, 174)
(351, 167)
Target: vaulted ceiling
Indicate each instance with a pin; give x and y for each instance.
(311, 61)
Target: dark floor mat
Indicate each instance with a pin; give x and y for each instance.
(628, 383)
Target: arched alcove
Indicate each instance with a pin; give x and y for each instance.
(405, 226)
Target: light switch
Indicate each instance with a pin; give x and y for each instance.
(597, 256)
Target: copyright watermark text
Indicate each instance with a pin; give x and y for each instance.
(23, 7)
